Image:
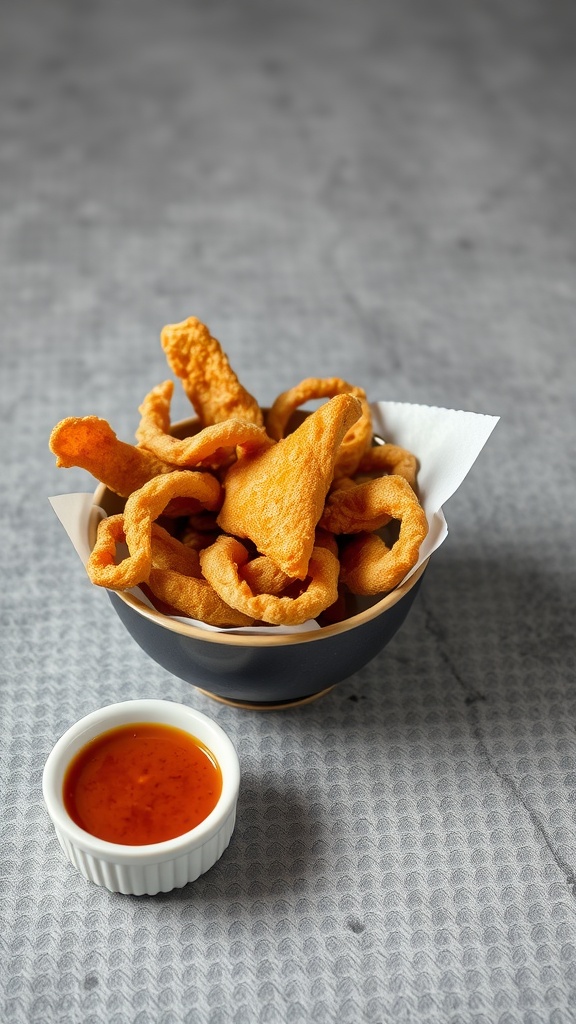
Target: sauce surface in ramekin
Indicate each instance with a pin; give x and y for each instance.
(141, 783)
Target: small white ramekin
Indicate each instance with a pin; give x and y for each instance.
(157, 867)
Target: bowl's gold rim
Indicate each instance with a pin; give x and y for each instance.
(251, 639)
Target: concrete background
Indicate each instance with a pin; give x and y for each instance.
(383, 192)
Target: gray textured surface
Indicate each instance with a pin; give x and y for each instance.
(380, 191)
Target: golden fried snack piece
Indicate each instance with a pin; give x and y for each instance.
(369, 566)
(212, 443)
(221, 565)
(169, 553)
(355, 442)
(197, 540)
(155, 411)
(390, 458)
(155, 416)
(176, 581)
(180, 507)
(276, 496)
(199, 531)
(343, 482)
(263, 576)
(336, 611)
(370, 505)
(90, 443)
(324, 539)
(110, 533)
(338, 512)
(175, 578)
(194, 597)
(207, 377)
(142, 508)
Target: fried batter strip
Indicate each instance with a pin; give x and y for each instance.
(390, 458)
(141, 510)
(370, 505)
(276, 497)
(368, 565)
(194, 597)
(90, 443)
(221, 565)
(263, 576)
(213, 443)
(207, 377)
(170, 553)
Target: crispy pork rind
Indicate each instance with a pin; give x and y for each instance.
(221, 564)
(234, 479)
(263, 576)
(368, 565)
(188, 595)
(370, 505)
(175, 578)
(358, 437)
(101, 565)
(212, 444)
(90, 443)
(142, 508)
(170, 553)
(276, 496)
(199, 531)
(392, 459)
(179, 583)
(207, 377)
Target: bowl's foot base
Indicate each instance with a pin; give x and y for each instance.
(275, 705)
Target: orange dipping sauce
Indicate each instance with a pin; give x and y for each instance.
(141, 783)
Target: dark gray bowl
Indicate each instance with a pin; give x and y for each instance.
(256, 670)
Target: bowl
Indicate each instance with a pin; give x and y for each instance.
(156, 867)
(254, 670)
